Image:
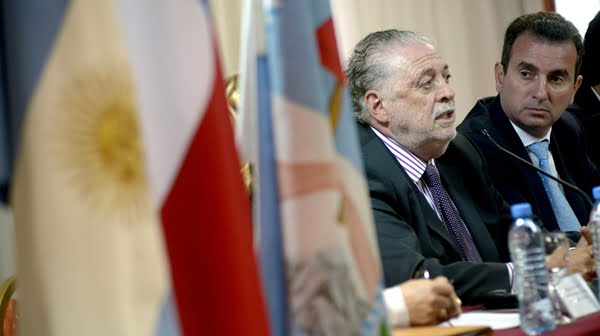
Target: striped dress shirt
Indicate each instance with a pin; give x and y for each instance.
(414, 167)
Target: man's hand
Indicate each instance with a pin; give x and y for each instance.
(586, 236)
(581, 259)
(430, 301)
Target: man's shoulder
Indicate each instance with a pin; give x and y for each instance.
(375, 154)
(479, 117)
(461, 143)
(586, 104)
(462, 149)
(371, 147)
(365, 134)
(568, 125)
(579, 112)
(481, 120)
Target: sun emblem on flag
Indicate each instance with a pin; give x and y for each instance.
(100, 147)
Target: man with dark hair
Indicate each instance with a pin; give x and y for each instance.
(587, 98)
(536, 81)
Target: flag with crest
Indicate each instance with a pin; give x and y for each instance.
(333, 274)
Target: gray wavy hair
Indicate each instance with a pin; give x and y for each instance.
(368, 66)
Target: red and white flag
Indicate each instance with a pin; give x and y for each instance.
(193, 167)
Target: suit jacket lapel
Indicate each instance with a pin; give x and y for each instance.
(393, 168)
(457, 190)
(507, 137)
(433, 221)
(575, 200)
(557, 157)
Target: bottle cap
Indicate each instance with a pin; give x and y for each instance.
(596, 193)
(520, 210)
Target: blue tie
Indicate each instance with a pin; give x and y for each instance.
(454, 223)
(567, 221)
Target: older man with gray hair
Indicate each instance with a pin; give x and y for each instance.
(436, 210)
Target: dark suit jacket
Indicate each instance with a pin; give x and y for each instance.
(519, 183)
(587, 108)
(410, 234)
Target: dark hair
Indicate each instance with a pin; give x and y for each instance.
(368, 66)
(590, 67)
(550, 27)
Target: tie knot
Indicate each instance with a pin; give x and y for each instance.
(540, 149)
(432, 175)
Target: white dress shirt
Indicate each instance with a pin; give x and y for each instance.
(528, 139)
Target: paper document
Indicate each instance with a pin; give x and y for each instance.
(495, 321)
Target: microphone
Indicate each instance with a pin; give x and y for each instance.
(539, 170)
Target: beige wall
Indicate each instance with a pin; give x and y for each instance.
(7, 241)
(469, 33)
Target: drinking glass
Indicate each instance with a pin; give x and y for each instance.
(557, 248)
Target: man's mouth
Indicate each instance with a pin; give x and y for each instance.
(446, 115)
(537, 109)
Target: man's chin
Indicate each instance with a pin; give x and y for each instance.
(536, 128)
(447, 135)
(441, 144)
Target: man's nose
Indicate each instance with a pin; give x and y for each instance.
(541, 90)
(447, 93)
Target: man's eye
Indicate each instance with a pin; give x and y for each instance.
(525, 74)
(557, 80)
(426, 85)
(447, 78)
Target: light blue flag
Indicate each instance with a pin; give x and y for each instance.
(258, 147)
(332, 260)
(270, 235)
(168, 321)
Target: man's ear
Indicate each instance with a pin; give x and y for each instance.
(576, 86)
(374, 103)
(499, 74)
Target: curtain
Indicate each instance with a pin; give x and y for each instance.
(468, 34)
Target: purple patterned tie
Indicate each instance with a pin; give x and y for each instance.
(451, 218)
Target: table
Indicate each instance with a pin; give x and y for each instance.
(585, 326)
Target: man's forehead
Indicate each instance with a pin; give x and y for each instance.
(414, 50)
(416, 55)
(531, 50)
(429, 61)
(425, 65)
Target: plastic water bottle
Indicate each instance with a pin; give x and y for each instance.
(594, 227)
(526, 245)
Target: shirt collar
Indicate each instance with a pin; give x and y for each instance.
(595, 93)
(528, 139)
(413, 165)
